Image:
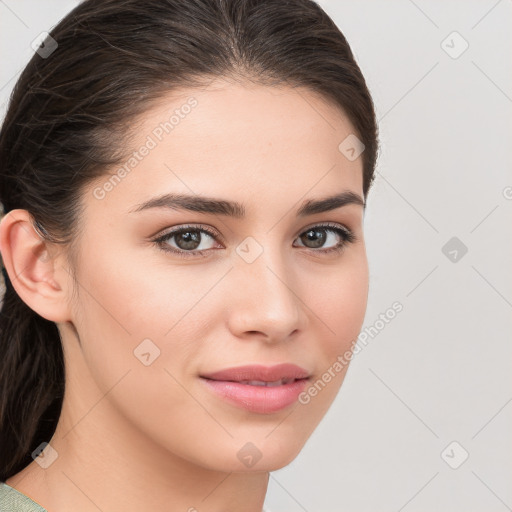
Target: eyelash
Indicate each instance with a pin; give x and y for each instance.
(347, 236)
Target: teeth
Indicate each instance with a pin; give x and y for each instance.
(268, 384)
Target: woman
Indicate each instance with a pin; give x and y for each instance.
(184, 184)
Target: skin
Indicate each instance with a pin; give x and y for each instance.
(163, 441)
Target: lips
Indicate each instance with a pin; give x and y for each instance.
(260, 375)
(257, 388)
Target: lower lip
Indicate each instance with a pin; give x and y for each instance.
(260, 399)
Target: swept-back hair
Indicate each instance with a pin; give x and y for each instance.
(107, 62)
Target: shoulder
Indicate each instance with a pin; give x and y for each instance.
(12, 500)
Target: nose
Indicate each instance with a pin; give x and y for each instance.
(266, 301)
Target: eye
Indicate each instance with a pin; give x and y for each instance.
(188, 239)
(317, 236)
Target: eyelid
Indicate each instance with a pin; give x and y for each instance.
(183, 227)
(328, 224)
(214, 233)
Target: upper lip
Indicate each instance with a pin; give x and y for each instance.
(261, 373)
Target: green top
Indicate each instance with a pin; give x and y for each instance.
(12, 500)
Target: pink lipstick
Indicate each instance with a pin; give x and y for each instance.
(259, 388)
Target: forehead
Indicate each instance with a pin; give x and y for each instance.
(261, 144)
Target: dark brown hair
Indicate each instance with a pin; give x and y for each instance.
(68, 119)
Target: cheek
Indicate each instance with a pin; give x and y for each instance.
(136, 307)
(341, 304)
(134, 318)
(124, 309)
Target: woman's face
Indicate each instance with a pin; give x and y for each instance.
(268, 288)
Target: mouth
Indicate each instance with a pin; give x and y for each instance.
(259, 389)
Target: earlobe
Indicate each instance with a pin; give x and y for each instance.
(32, 269)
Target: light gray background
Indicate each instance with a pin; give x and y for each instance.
(440, 371)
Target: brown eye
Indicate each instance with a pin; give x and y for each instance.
(317, 237)
(187, 239)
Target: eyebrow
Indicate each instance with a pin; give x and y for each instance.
(203, 204)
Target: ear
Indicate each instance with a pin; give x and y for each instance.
(34, 267)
